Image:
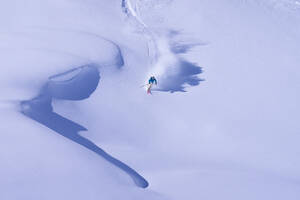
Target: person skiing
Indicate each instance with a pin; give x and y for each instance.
(151, 81)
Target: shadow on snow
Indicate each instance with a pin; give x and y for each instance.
(76, 84)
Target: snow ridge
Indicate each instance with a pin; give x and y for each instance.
(83, 82)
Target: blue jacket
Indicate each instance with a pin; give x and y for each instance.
(152, 80)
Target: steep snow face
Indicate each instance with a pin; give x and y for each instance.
(39, 40)
(234, 136)
(236, 129)
(173, 71)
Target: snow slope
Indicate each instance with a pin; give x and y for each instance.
(232, 135)
(37, 45)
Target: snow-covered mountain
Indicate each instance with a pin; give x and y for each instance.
(222, 122)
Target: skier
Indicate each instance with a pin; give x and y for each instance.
(151, 81)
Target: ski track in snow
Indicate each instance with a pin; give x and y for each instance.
(173, 72)
(75, 84)
(80, 82)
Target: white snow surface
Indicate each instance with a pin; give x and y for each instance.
(233, 134)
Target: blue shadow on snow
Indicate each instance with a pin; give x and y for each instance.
(76, 84)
